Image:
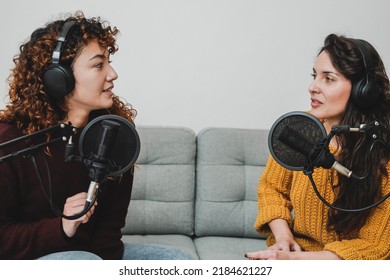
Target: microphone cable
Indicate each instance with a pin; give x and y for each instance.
(49, 196)
(309, 173)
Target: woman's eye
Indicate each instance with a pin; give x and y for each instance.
(329, 79)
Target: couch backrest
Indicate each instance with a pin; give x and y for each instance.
(229, 165)
(164, 183)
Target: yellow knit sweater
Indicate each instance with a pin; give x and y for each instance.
(281, 190)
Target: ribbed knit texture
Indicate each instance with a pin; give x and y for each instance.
(280, 191)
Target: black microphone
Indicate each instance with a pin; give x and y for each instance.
(99, 162)
(109, 146)
(317, 154)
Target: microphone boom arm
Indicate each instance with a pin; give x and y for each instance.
(67, 130)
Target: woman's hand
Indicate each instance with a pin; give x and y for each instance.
(285, 247)
(285, 255)
(74, 205)
(284, 239)
(270, 255)
(287, 244)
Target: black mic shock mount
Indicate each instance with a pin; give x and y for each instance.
(98, 162)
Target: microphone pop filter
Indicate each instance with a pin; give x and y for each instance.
(125, 149)
(308, 127)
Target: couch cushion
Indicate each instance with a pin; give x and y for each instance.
(227, 248)
(163, 193)
(229, 165)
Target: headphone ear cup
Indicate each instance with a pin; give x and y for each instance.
(58, 81)
(356, 92)
(365, 93)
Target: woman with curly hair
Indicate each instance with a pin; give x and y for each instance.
(63, 75)
(350, 87)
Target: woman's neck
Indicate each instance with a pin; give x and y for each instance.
(78, 119)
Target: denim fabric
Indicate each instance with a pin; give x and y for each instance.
(71, 255)
(132, 251)
(138, 251)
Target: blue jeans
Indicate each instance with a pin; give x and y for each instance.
(132, 251)
(71, 255)
(139, 251)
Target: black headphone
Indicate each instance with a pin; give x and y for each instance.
(58, 80)
(365, 93)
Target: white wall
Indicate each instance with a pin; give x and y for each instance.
(200, 63)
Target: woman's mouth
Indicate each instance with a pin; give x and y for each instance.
(108, 90)
(315, 103)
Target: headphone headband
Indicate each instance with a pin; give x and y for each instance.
(60, 41)
(367, 61)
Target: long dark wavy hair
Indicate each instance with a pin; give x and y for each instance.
(29, 107)
(357, 151)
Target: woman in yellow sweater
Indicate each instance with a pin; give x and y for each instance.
(350, 87)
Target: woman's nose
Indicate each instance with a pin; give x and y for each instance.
(313, 87)
(112, 75)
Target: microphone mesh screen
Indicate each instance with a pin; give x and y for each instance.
(307, 125)
(126, 147)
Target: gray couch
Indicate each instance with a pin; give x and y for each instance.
(198, 192)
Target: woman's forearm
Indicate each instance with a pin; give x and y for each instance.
(320, 255)
(280, 229)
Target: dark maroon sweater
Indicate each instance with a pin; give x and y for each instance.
(29, 228)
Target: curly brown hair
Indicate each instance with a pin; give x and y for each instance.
(29, 107)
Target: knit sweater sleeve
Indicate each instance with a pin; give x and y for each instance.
(22, 238)
(273, 196)
(372, 241)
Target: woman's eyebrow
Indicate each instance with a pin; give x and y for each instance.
(101, 56)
